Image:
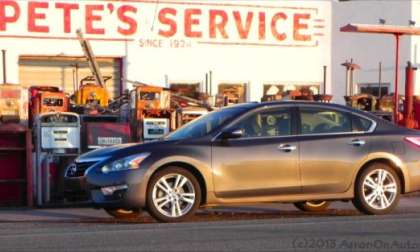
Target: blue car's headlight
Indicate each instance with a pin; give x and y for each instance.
(128, 163)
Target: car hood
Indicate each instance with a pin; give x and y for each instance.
(120, 150)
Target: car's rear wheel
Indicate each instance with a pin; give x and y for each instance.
(378, 190)
(313, 205)
(123, 214)
(173, 194)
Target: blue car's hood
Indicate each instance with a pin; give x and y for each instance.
(103, 152)
(119, 150)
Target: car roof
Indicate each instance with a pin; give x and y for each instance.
(254, 105)
(381, 124)
(289, 102)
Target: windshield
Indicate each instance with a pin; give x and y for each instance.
(205, 124)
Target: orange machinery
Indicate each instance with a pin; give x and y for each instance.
(44, 99)
(407, 115)
(382, 107)
(151, 116)
(364, 102)
(91, 94)
(100, 126)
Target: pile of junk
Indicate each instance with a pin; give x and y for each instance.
(406, 114)
(43, 129)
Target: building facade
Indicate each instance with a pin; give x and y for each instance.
(212, 45)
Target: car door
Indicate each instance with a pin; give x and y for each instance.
(264, 161)
(332, 143)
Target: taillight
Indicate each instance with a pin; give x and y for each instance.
(413, 140)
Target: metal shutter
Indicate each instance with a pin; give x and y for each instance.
(61, 72)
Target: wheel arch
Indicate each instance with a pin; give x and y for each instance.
(193, 170)
(392, 164)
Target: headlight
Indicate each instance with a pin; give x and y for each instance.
(127, 163)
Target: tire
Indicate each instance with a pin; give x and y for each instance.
(313, 205)
(377, 190)
(123, 214)
(168, 202)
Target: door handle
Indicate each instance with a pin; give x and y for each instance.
(357, 142)
(286, 147)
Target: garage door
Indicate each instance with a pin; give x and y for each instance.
(66, 72)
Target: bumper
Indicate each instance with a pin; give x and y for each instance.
(130, 193)
(125, 198)
(75, 189)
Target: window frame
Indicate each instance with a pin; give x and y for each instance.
(295, 116)
(351, 114)
(371, 127)
(291, 108)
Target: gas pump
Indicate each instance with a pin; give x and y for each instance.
(44, 99)
(57, 143)
(151, 116)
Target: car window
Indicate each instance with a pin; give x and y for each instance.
(205, 124)
(320, 120)
(267, 123)
(360, 124)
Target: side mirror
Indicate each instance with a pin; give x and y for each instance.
(232, 134)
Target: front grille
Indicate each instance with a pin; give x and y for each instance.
(78, 169)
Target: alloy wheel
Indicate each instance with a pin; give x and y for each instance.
(379, 189)
(173, 195)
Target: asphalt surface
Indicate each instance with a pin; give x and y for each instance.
(274, 227)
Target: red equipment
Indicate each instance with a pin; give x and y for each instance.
(416, 108)
(102, 134)
(104, 130)
(397, 31)
(409, 119)
(46, 99)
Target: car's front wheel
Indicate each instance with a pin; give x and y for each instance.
(312, 206)
(378, 190)
(173, 194)
(123, 214)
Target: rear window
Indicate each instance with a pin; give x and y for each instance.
(321, 120)
(360, 124)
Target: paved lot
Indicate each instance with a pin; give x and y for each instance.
(276, 227)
